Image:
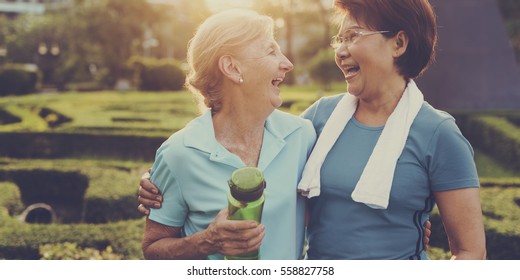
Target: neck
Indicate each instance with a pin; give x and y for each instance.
(240, 130)
(376, 110)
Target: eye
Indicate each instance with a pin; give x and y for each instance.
(350, 36)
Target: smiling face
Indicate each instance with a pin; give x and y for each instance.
(367, 62)
(263, 68)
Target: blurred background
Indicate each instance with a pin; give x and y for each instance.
(89, 89)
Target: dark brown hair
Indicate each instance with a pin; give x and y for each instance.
(415, 17)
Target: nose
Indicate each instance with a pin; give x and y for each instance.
(342, 52)
(286, 64)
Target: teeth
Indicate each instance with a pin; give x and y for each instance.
(351, 68)
(279, 79)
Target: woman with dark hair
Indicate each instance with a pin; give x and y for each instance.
(384, 156)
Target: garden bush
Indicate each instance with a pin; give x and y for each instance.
(323, 69)
(8, 118)
(501, 219)
(10, 198)
(24, 241)
(83, 145)
(157, 74)
(71, 251)
(18, 80)
(495, 135)
(78, 191)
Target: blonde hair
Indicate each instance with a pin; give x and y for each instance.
(220, 34)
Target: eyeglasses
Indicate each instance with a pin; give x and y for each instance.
(350, 36)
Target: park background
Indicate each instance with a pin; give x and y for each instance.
(90, 88)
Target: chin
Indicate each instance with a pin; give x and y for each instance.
(276, 102)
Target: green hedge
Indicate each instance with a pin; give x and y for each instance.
(82, 145)
(501, 219)
(7, 118)
(157, 74)
(79, 191)
(495, 135)
(23, 241)
(10, 198)
(110, 197)
(18, 80)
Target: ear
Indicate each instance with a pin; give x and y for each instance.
(400, 43)
(229, 68)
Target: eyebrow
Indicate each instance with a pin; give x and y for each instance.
(355, 27)
(352, 27)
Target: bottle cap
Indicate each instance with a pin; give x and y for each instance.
(247, 184)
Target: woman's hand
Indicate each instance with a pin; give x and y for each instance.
(427, 234)
(223, 236)
(148, 195)
(230, 238)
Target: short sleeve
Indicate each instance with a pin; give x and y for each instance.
(310, 112)
(452, 165)
(173, 211)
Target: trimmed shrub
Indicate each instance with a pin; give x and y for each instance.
(60, 145)
(157, 75)
(18, 80)
(71, 251)
(23, 241)
(501, 219)
(494, 135)
(10, 198)
(90, 192)
(8, 118)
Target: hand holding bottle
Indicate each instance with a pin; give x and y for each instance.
(231, 237)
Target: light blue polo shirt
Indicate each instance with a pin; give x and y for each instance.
(436, 157)
(191, 170)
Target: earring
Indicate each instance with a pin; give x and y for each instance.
(240, 80)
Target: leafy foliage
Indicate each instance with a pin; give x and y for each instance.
(157, 74)
(323, 69)
(71, 251)
(18, 80)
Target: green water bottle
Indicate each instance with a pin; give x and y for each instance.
(246, 200)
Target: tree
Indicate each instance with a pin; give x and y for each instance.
(322, 68)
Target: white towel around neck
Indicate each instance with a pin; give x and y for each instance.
(374, 185)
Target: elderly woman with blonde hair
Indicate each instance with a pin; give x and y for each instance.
(235, 67)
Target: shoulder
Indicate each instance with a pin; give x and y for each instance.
(286, 123)
(319, 112)
(325, 104)
(440, 131)
(430, 120)
(178, 141)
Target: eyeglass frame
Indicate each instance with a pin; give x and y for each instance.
(335, 44)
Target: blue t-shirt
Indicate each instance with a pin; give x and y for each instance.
(191, 170)
(436, 157)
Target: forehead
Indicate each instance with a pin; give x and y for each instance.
(257, 47)
(262, 42)
(349, 22)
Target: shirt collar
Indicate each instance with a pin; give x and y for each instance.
(200, 135)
